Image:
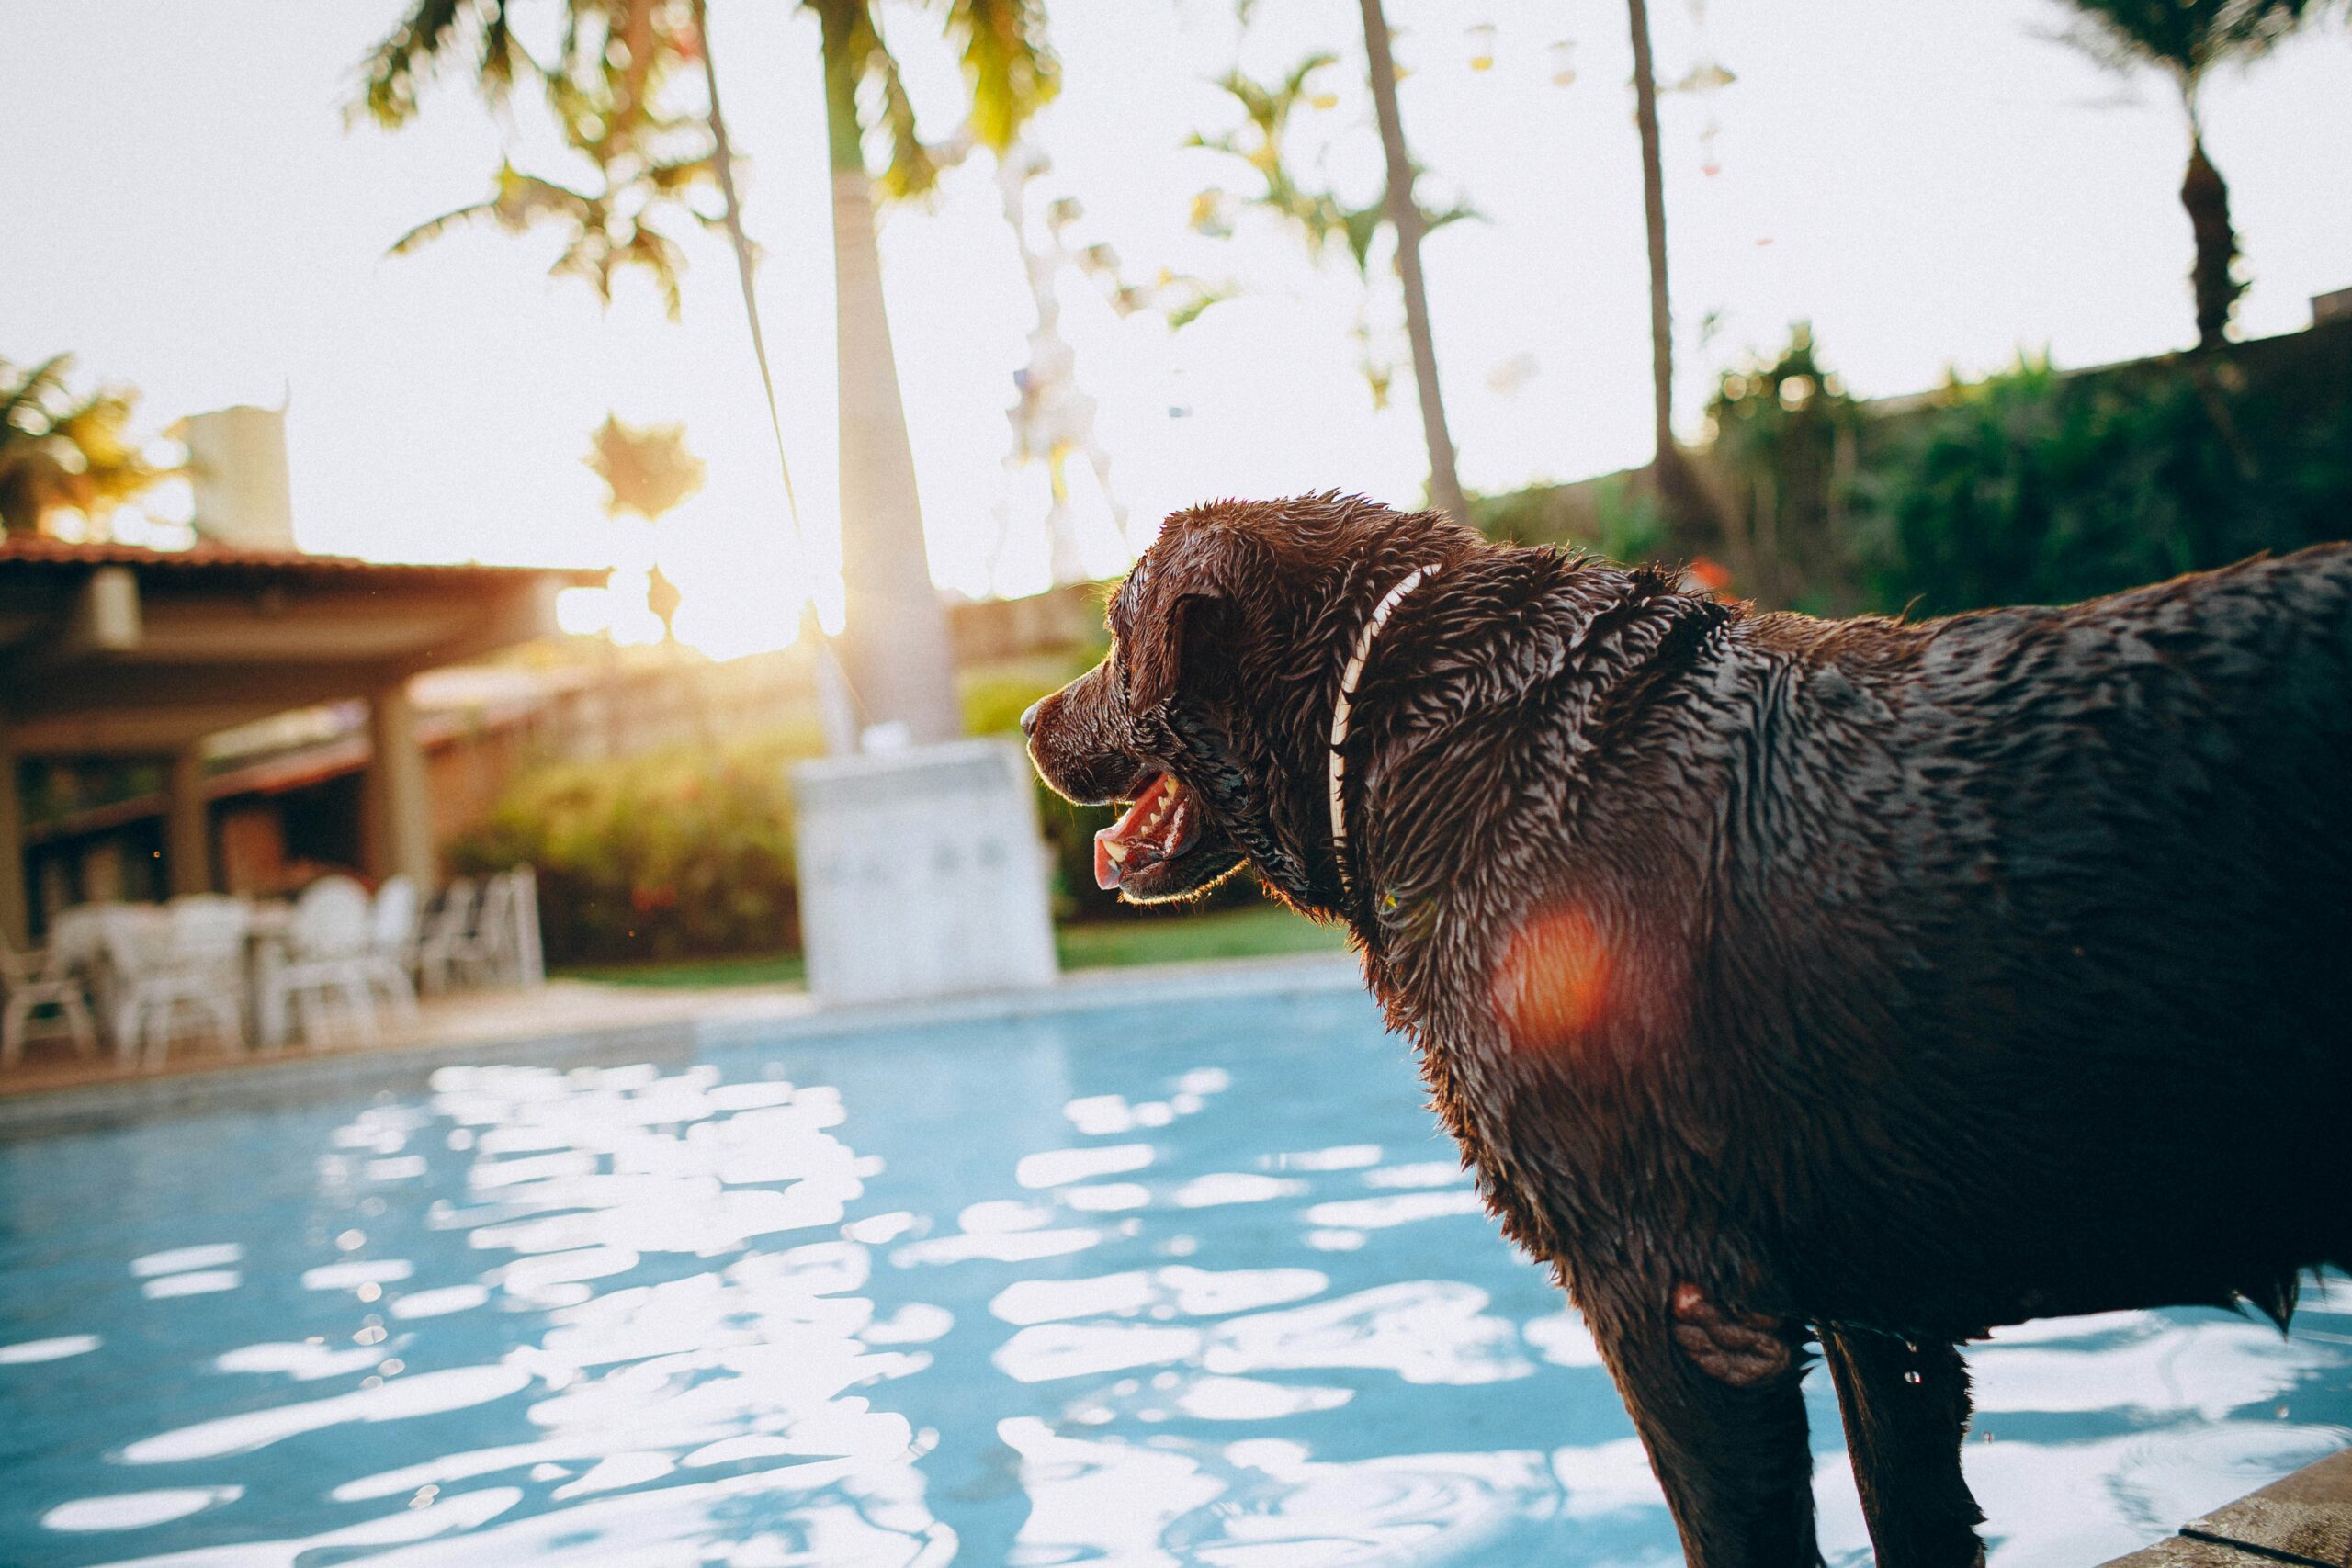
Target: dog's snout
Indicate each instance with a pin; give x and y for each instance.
(1029, 717)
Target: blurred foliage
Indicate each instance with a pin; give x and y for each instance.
(2031, 485)
(647, 470)
(51, 788)
(1262, 141)
(63, 451)
(2184, 38)
(1616, 515)
(1786, 431)
(606, 86)
(609, 85)
(1316, 214)
(684, 852)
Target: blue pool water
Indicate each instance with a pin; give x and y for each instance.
(1196, 1285)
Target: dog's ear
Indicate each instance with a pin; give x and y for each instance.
(1183, 589)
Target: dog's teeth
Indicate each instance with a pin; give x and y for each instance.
(1118, 852)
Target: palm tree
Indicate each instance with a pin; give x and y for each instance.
(1320, 217)
(603, 87)
(63, 453)
(1682, 501)
(895, 648)
(2185, 40)
(647, 472)
(898, 655)
(1405, 217)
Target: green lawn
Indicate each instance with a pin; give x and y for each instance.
(1264, 931)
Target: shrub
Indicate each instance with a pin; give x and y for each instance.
(675, 853)
(2031, 486)
(1786, 434)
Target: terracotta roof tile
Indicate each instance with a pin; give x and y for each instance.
(35, 550)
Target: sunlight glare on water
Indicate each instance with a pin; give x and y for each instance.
(1192, 1286)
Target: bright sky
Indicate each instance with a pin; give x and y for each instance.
(1931, 184)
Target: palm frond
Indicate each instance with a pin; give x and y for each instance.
(399, 65)
(33, 392)
(2185, 38)
(1009, 66)
(60, 451)
(517, 202)
(658, 255)
(1434, 219)
(908, 169)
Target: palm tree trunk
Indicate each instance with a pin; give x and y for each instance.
(1405, 214)
(837, 714)
(1682, 503)
(895, 644)
(2209, 280)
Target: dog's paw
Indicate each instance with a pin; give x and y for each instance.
(1741, 1350)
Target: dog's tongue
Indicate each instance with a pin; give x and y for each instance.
(1156, 828)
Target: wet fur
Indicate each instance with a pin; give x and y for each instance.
(1948, 975)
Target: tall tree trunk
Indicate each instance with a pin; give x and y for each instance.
(1405, 215)
(2210, 277)
(836, 714)
(1683, 504)
(895, 644)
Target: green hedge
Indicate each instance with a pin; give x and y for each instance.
(2031, 486)
(675, 853)
(2034, 487)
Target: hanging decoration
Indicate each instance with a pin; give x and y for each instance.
(1706, 77)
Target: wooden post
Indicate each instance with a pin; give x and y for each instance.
(187, 838)
(400, 836)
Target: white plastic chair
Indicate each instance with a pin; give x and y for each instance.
(486, 956)
(77, 943)
(30, 981)
(392, 945)
(530, 955)
(328, 953)
(445, 933)
(167, 961)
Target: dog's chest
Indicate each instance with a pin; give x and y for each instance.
(1558, 1091)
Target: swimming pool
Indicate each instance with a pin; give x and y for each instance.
(1177, 1284)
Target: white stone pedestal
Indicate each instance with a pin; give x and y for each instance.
(921, 873)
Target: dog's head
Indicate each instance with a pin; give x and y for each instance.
(1212, 711)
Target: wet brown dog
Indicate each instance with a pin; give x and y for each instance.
(1786, 979)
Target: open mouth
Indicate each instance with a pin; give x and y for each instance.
(1163, 823)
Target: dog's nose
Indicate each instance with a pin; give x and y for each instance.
(1029, 717)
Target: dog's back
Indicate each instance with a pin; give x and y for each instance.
(2061, 891)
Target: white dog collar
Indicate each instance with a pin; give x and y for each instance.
(1340, 710)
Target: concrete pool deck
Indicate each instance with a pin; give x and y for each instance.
(2305, 1519)
(583, 1021)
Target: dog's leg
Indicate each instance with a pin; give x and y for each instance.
(1906, 1412)
(1723, 1424)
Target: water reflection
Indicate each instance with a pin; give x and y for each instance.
(1267, 1501)
(1136, 1291)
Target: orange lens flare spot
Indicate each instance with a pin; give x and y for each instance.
(1553, 986)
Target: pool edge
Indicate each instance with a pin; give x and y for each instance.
(2302, 1519)
(727, 1019)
